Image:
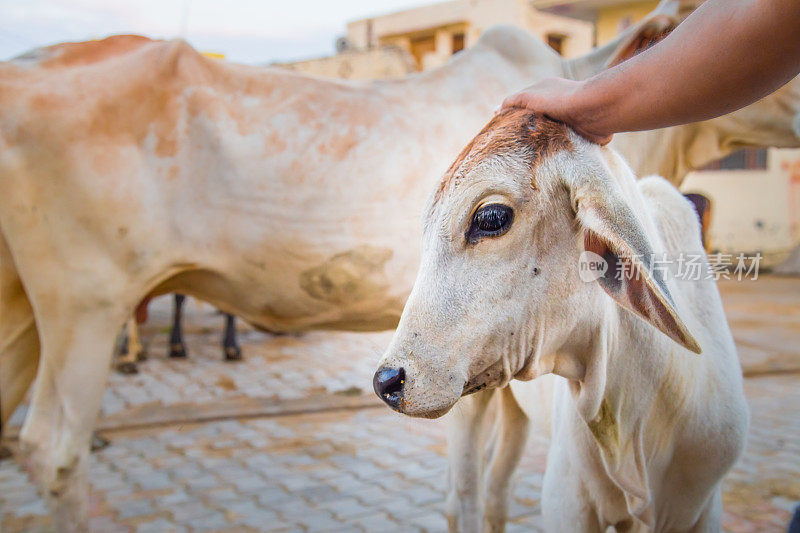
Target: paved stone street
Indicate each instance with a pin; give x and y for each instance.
(292, 440)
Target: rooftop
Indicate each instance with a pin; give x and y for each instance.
(582, 9)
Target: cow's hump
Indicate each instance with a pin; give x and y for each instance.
(517, 45)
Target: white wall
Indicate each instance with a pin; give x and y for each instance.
(753, 211)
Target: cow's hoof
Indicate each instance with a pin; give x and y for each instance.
(141, 356)
(233, 353)
(127, 367)
(98, 442)
(5, 453)
(177, 350)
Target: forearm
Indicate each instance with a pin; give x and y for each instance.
(726, 55)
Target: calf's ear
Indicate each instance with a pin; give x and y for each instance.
(645, 35)
(614, 232)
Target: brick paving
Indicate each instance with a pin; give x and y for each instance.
(283, 368)
(367, 469)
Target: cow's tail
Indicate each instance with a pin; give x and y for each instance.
(19, 339)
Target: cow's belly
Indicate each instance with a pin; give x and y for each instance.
(360, 288)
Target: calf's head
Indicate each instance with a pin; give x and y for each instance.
(499, 286)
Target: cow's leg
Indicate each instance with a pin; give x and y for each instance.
(176, 346)
(76, 353)
(509, 444)
(130, 349)
(19, 358)
(19, 338)
(467, 431)
(229, 343)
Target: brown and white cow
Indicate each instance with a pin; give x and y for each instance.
(132, 167)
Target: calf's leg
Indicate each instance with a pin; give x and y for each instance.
(711, 517)
(130, 349)
(230, 345)
(176, 345)
(135, 341)
(76, 353)
(467, 431)
(509, 444)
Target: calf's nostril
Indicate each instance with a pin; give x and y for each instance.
(388, 384)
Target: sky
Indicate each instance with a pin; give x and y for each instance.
(247, 31)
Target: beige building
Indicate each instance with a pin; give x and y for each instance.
(395, 44)
(755, 194)
(755, 207)
(610, 17)
(431, 34)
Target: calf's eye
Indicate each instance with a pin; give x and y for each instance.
(491, 220)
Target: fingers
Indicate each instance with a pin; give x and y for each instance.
(520, 99)
(507, 102)
(517, 100)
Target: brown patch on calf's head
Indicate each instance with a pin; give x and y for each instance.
(513, 130)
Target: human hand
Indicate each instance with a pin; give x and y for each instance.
(559, 99)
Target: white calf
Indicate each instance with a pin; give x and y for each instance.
(643, 428)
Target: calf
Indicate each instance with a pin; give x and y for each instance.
(650, 413)
(131, 350)
(177, 347)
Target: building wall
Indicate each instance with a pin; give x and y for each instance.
(422, 38)
(376, 63)
(430, 47)
(613, 20)
(580, 38)
(752, 210)
(428, 32)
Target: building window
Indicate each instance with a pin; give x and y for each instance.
(556, 42)
(458, 42)
(745, 159)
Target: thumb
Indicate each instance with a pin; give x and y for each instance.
(602, 140)
(515, 100)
